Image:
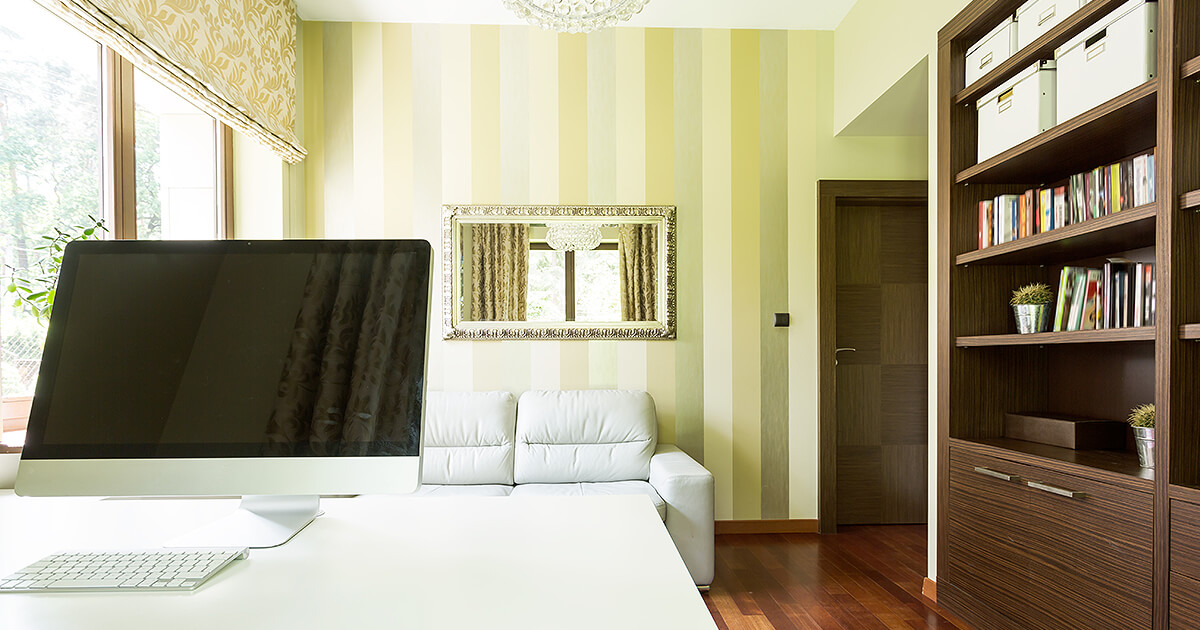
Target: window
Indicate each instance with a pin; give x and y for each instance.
(573, 286)
(61, 151)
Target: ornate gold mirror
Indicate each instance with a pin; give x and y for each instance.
(558, 272)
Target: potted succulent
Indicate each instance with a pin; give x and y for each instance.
(1031, 306)
(1141, 418)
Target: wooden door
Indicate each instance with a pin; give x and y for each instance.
(881, 373)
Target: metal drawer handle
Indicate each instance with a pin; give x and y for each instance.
(1062, 492)
(997, 474)
(1046, 15)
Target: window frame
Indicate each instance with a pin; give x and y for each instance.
(569, 272)
(118, 188)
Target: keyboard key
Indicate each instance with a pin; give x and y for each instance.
(85, 584)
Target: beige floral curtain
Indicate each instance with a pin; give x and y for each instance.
(235, 59)
(354, 365)
(638, 258)
(499, 271)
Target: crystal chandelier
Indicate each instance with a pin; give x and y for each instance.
(569, 237)
(575, 16)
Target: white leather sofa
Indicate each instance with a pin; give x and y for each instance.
(586, 442)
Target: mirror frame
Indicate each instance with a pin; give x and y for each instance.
(455, 216)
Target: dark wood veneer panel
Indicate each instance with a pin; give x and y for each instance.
(1121, 127)
(1185, 538)
(1126, 230)
(1185, 601)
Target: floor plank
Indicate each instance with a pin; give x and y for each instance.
(863, 578)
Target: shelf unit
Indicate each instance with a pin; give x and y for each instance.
(1139, 557)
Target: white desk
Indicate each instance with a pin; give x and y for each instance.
(375, 562)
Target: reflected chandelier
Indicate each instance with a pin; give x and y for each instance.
(575, 16)
(569, 237)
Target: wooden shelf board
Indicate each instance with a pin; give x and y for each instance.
(1189, 200)
(1108, 335)
(1189, 332)
(1121, 127)
(1041, 48)
(1118, 467)
(1125, 230)
(1190, 68)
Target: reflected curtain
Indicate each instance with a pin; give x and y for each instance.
(638, 256)
(500, 271)
(353, 373)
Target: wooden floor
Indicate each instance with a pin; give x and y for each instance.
(861, 577)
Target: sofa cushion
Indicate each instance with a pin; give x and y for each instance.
(591, 489)
(428, 490)
(468, 438)
(584, 435)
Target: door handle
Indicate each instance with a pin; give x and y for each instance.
(997, 474)
(835, 353)
(1062, 492)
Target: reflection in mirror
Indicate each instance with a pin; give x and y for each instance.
(553, 272)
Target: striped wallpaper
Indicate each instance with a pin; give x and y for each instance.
(732, 127)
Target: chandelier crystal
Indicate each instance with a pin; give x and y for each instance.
(575, 16)
(569, 237)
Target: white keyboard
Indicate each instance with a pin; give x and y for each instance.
(182, 569)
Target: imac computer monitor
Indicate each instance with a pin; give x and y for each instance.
(273, 370)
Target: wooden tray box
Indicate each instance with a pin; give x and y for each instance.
(1066, 431)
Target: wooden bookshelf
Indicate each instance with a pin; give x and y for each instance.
(1041, 48)
(1129, 229)
(1108, 335)
(1126, 537)
(1109, 132)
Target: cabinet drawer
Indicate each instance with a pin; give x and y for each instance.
(1093, 552)
(1044, 559)
(1185, 602)
(985, 558)
(1185, 538)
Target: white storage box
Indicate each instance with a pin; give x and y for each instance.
(1112, 57)
(992, 50)
(1016, 111)
(1036, 17)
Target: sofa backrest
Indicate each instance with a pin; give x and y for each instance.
(584, 435)
(469, 438)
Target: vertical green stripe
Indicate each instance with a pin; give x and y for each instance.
(572, 119)
(689, 348)
(773, 269)
(339, 130)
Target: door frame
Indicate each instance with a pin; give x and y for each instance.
(830, 192)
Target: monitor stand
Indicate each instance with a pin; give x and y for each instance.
(261, 521)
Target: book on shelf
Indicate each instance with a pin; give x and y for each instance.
(1121, 295)
(1100, 192)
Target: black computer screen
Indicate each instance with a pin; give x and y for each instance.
(234, 349)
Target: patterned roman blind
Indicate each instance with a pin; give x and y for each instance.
(235, 59)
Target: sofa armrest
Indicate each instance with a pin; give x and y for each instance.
(687, 488)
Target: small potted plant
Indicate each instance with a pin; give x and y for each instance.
(1141, 418)
(1031, 305)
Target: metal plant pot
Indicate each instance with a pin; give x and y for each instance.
(1144, 437)
(1032, 318)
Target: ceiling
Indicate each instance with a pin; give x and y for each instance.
(762, 14)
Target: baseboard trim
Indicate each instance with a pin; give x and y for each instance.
(929, 590)
(768, 526)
